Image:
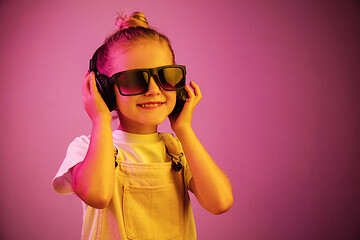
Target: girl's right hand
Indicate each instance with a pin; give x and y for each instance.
(93, 103)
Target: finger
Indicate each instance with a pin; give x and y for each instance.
(86, 86)
(92, 82)
(197, 91)
(190, 92)
(93, 87)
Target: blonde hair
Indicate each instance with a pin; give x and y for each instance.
(134, 20)
(131, 29)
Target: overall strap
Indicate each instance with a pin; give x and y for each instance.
(116, 155)
(174, 150)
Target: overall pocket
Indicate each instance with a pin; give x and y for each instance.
(151, 212)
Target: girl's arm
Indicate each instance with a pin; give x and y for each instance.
(210, 185)
(93, 178)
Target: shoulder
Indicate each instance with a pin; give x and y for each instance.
(81, 142)
(169, 138)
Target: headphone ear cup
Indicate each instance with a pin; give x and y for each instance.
(181, 97)
(106, 90)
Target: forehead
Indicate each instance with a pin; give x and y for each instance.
(142, 54)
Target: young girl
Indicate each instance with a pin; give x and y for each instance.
(143, 193)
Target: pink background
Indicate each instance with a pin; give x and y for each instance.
(280, 113)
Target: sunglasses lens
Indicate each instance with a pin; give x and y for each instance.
(171, 78)
(133, 82)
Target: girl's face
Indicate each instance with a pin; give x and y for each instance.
(143, 113)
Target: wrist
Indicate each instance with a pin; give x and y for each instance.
(101, 121)
(184, 131)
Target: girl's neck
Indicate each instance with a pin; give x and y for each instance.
(138, 129)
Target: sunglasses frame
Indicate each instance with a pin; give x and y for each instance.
(152, 72)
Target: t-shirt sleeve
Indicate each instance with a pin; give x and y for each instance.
(76, 152)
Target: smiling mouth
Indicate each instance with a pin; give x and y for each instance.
(151, 104)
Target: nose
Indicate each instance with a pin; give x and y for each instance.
(154, 88)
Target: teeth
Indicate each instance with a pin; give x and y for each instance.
(150, 105)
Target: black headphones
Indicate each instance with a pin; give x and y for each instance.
(106, 87)
(103, 83)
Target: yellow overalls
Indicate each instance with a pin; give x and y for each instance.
(150, 201)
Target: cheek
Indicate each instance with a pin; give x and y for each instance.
(121, 101)
(171, 98)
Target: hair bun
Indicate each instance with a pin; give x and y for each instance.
(136, 19)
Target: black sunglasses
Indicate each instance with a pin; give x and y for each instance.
(136, 81)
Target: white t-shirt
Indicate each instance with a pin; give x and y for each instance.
(148, 148)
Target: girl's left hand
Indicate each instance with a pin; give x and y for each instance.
(183, 120)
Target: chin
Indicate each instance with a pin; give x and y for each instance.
(152, 118)
(158, 120)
